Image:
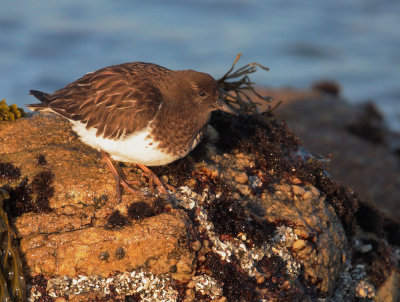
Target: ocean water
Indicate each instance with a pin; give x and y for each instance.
(45, 45)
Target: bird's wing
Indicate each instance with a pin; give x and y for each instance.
(115, 100)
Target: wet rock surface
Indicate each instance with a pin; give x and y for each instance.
(363, 152)
(254, 217)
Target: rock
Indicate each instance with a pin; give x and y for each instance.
(72, 253)
(322, 235)
(390, 290)
(246, 223)
(32, 223)
(241, 178)
(355, 135)
(24, 140)
(299, 245)
(298, 190)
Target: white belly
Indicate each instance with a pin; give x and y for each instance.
(135, 148)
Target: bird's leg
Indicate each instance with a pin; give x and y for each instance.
(118, 179)
(154, 180)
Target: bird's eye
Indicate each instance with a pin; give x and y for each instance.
(202, 93)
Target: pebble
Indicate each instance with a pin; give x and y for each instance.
(196, 245)
(104, 255)
(295, 180)
(191, 183)
(189, 295)
(298, 245)
(298, 190)
(315, 191)
(365, 290)
(255, 182)
(119, 253)
(244, 189)
(365, 248)
(308, 195)
(241, 178)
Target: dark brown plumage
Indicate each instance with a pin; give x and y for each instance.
(137, 112)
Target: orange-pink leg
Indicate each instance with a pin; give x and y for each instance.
(154, 180)
(119, 181)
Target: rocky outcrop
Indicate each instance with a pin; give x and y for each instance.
(254, 217)
(355, 137)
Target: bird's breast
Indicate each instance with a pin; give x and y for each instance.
(139, 147)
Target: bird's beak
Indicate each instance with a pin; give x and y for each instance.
(221, 105)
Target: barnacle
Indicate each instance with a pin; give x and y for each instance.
(10, 113)
(12, 281)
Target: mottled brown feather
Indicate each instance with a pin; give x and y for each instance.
(121, 97)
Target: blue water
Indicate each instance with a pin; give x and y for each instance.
(46, 44)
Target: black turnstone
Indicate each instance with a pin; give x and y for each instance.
(138, 113)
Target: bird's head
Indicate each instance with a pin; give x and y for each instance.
(199, 90)
(205, 92)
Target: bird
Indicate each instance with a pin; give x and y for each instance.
(140, 113)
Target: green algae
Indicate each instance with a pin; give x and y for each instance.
(12, 281)
(10, 113)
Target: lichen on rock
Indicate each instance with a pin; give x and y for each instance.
(10, 113)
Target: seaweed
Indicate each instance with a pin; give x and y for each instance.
(116, 219)
(273, 145)
(230, 217)
(133, 298)
(41, 186)
(392, 230)
(379, 261)
(31, 197)
(9, 171)
(369, 125)
(369, 218)
(237, 286)
(275, 269)
(177, 171)
(140, 210)
(119, 253)
(12, 280)
(236, 92)
(10, 113)
(41, 160)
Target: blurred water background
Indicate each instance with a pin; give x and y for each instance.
(45, 45)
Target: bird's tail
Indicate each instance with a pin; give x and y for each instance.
(42, 97)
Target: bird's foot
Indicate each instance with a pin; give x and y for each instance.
(119, 181)
(155, 182)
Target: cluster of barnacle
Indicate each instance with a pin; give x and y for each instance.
(237, 247)
(237, 251)
(139, 282)
(353, 284)
(10, 113)
(12, 281)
